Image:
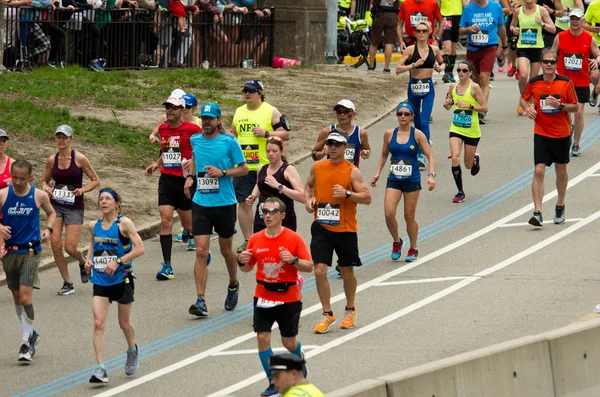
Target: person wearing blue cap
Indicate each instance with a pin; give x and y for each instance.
(404, 179)
(253, 124)
(288, 377)
(217, 157)
(191, 107)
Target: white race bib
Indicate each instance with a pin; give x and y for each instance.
(420, 87)
(100, 262)
(349, 153)
(417, 18)
(573, 62)
(63, 195)
(401, 168)
(328, 214)
(480, 38)
(207, 184)
(545, 108)
(260, 208)
(172, 158)
(267, 304)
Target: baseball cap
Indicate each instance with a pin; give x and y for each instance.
(576, 12)
(254, 85)
(190, 100)
(336, 136)
(345, 103)
(210, 110)
(3, 134)
(64, 129)
(175, 101)
(177, 93)
(286, 362)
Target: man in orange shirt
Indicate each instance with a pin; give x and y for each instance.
(553, 96)
(333, 189)
(413, 12)
(280, 254)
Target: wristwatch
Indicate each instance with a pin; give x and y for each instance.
(561, 106)
(348, 193)
(119, 261)
(224, 172)
(266, 134)
(280, 188)
(432, 174)
(471, 107)
(295, 260)
(50, 228)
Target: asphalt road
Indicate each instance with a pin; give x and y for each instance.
(484, 276)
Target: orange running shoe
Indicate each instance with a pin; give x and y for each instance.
(520, 110)
(324, 324)
(349, 318)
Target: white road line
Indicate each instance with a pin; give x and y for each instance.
(253, 351)
(317, 307)
(424, 280)
(595, 175)
(545, 222)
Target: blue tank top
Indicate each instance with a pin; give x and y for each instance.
(22, 214)
(352, 153)
(403, 163)
(108, 246)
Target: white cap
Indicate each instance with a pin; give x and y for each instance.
(64, 129)
(576, 12)
(345, 103)
(335, 136)
(175, 101)
(178, 93)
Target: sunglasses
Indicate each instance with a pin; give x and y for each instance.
(404, 114)
(343, 111)
(172, 107)
(275, 138)
(463, 70)
(549, 61)
(422, 30)
(188, 106)
(270, 211)
(249, 91)
(334, 143)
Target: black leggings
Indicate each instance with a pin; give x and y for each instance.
(57, 41)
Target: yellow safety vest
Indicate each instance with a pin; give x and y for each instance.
(304, 390)
(254, 148)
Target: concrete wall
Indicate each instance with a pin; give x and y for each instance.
(561, 363)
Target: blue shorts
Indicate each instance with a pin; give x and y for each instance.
(405, 187)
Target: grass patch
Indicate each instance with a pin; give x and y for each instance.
(348, 84)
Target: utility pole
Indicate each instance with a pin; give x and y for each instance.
(332, 19)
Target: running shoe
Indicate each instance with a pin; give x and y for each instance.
(85, 277)
(559, 214)
(412, 255)
(67, 289)
(481, 118)
(133, 363)
(511, 71)
(349, 319)
(191, 246)
(34, 339)
(325, 323)
(25, 353)
(597, 309)
(300, 283)
(430, 119)
(451, 76)
(476, 165)
(179, 236)
(422, 161)
(231, 300)
(397, 249)
(99, 376)
(491, 77)
(445, 78)
(199, 308)
(520, 110)
(96, 66)
(517, 75)
(501, 63)
(242, 247)
(166, 273)
(386, 71)
(185, 236)
(459, 198)
(270, 391)
(536, 219)
(575, 152)
(500, 69)
(593, 99)
(208, 258)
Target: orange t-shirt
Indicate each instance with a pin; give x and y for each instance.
(334, 214)
(412, 12)
(271, 269)
(550, 122)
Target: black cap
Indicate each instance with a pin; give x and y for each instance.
(286, 362)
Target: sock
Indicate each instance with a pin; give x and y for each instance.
(27, 323)
(452, 62)
(233, 284)
(457, 174)
(298, 350)
(447, 62)
(329, 313)
(166, 244)
(132, 350)
(201, 296)
(350, 308)
(264, 360)
(101, 365)
(19, 310)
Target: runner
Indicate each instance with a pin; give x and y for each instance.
(278, 179)
(484, 22)
(553, 96)
(451, 11)
(176, 93)
(421, 59)
(176, 151)
(413, 12)
(464, 129)
(115, 243)
(358, 138)
(5, 180)
(66, 169)
(333, 189)
(280, 254)
(252, 124)
(217, 157)
(555, 9)
(574, 47)
(404, 179)
(287, 371)
(592, 25)
(527, 23)
(189, 113)
(20, 206)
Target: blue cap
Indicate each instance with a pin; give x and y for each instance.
(254, 85)
(405, 105)
(210, 110)
(190, 100)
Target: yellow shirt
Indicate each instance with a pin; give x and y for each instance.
(254, 147)
(592, 17)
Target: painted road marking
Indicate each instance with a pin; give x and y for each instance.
(421, 281)
(545, 222)
(276, 350)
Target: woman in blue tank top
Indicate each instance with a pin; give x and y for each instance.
(115, 243)
(404, 179)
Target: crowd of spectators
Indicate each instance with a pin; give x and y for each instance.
(136, 33)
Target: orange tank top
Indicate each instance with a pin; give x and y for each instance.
(334, 214)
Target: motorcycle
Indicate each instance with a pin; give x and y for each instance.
(353, 37)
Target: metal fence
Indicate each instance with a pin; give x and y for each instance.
(135, 38)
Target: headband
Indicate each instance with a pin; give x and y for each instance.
(405, 105)
(112, 193)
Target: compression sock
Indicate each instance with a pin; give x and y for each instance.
(457, 174)
(27, 323)
(452, 62)
(166, 244)
(264, 360)
(298, 350)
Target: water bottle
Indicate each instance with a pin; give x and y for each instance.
(245, 64)
(205, 64)
(184, 161)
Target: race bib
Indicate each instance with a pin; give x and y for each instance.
(401, 168)
(573, 62)
(267, 304)
(545, 108)
(172, 158)
(63, 194)
(260, 214)
(101, 259)
(250, 153)
(328, 214)
(563, 19)
(350, 151)
(462, 118)
(529, 36)
(447, 23)
(420, 87)
(480, 38)
(207, 184)
(417, 18)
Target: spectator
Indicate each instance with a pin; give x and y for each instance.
(81, 20)
(38, 43)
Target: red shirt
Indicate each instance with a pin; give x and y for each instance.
(550, 122)
(573, 57)
(413, 12)
(271, 269)
(175, 146)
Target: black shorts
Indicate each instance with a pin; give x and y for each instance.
(287, 316)
(452, 33)
(466, 140)
(244, 185)
(221, 218)
(405, 187)
(583, 94)
(551, 150)
(533, 54)
(509, 34)
(121, 293)
(170, 192)
(325, 242)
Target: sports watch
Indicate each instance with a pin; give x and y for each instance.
(295, 260)
(280, 188)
